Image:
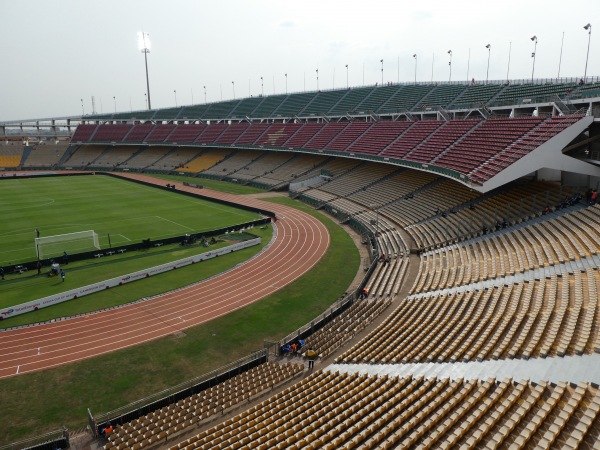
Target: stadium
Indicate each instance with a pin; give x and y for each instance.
(464, 314)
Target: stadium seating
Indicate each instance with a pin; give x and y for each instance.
(417, 133)
(294, 169)
(111, 132)
(83, 132)
(277, 134)
(378, 137)
(183, 134)
(160, 132)
(138, 133)
(262, 165)
(348, 136)
(329, 131)
(173, 157)
(204, 161)
(252, 133)
(115, 156)
(231, 133)
(183, 415)
(443, 138)
(84, 155)
(147, 157)
(10, 156)
(234, 162)
(45, 155)
(330, 410)
(477, 148)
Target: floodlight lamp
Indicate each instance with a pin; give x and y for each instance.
(381, 60)
(533, 54)
(534, 38)
(143, 42)
(449, 52)
(415, 55)
(488, 46)
(588, 26)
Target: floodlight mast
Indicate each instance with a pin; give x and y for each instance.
(144, 46)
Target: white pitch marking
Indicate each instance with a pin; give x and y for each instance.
(175, 223)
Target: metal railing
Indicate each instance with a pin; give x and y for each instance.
(52, 440)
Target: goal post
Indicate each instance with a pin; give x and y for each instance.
(54, 246)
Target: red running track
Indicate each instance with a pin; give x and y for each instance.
(300, 243)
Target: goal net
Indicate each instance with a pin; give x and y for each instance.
(54, 246)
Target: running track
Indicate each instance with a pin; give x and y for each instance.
(300, 243)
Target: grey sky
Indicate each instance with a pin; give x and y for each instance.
(55, 53)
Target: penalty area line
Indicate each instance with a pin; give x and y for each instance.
(175, 223)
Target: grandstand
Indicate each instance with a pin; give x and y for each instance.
(478, 153)
(474, 201)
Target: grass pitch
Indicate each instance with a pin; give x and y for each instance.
(127, 212)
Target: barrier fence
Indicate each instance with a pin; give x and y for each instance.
(58, 439)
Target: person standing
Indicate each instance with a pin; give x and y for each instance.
(39, 267)
(312, 356)
(62, 275)
(37, 233)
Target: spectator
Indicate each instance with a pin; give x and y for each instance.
(62, 275)
(312, 356)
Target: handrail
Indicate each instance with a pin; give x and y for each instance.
(46, 438)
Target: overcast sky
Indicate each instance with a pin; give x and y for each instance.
(55, 53)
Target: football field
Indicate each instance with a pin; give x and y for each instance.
(117, 210)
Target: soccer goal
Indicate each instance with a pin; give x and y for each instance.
(54, 246)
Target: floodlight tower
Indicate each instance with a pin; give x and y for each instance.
(450, 66)
(588, 28)
(535, 40)
(347, 85)
(415, 56)
(489, 47)
(144, 46)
